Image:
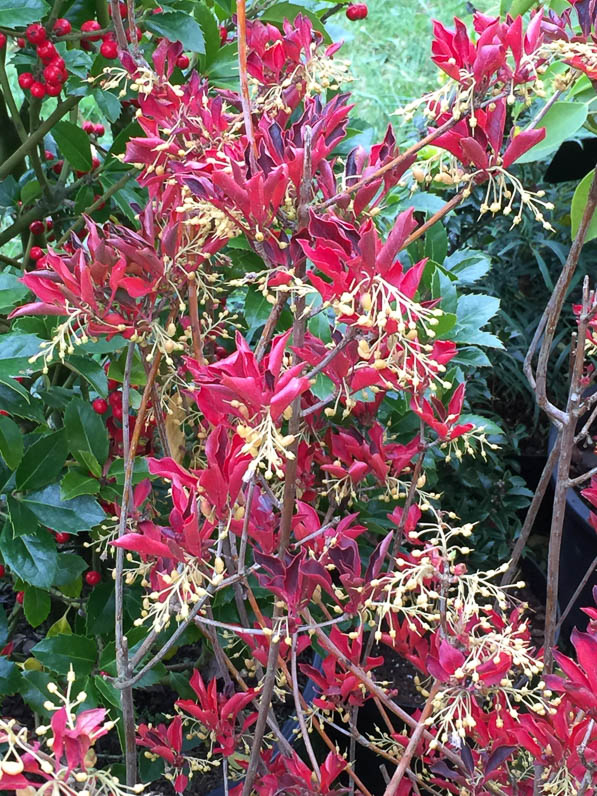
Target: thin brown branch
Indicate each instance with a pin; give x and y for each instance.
(241, 23)
(392, 788)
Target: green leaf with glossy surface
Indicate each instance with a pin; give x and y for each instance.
(36, 605)
(85, 430)
(561, 122)
(19, 13)
(177, 26)
(69, 516)
(473, 312)
(43, 461)
(76, 483)
(577, 209)
(12, 292)
(10, 677)
(11, 442)
(59, 653)
(74, 145)
(32, 557)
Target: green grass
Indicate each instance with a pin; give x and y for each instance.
(390, 52)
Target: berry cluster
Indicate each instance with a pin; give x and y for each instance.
(52, 73)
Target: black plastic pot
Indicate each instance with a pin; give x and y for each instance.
(579, 548)
(290, 725)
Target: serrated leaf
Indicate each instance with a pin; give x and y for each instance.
(42, 462)
(473, 312)
(36, 605)
(12, 292)
(74, 145)
(177, 26)
(19, 405)
(76, 483)
(138, 375)
(108, 103)
(21, 519)
(34, 690)
(20, 13)
(60, 627)
(70, 567)
(59, 653)
(69, 516)
(90, 371)
(11, 442)
(10, 677)
(86, 432)
(32, 557)
(257, 309)
(468, 265)
(577, 209)
(323, 387)
(281, 11)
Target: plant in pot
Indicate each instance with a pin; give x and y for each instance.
(281, 370)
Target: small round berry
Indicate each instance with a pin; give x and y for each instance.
(52, 73)
(2, 41)
(100, 405)
(357, 11)
(38, 90)
(62, 27)
(49, 155)
(88, 127)
(93, 577)
(129, 34)
(53, 89)
(99, 130)
(95, 163)
(88, 27)
(183, 61)
(26, 80)
(47, 52)
(36, 252)
(62, 538)
(223, 34)
(122, 8)
(36, 227)
(20, 597)
(57, 167)
(36, 33)
(49, 224)
(109, 49)
(59, 63)
(21, 42)
(2, 570)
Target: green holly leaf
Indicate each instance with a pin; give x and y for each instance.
(86, 433)
(11, 442)
(59, 653)
(177, 26)
(32, 557)
(43, 461)
(36, 605)
(20, 13)
(74, 144)
(70, 516)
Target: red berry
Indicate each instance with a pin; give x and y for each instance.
(95, 163)
(88, 27)
(36, 227)
(2, 40)
(223, 34)
(122, 8)
(47, 52)
(2, 570)
(88, 127)
(115, 399)
(182, 61)
(62, 27)
(52, 74)
(99, 130)
(58, 62)
(93, 577)
(62, 538)
(117, 412)
(49, 224)
(20, 597)
(57, 167)
(21, 42)
(36, 33)
(357, 11)
(49, 155)
(100, 405)
(53, 89)
(26, 80)
(36, 252)
(38, 90)
(109, 49)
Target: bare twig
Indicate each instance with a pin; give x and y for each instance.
(241, 22)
